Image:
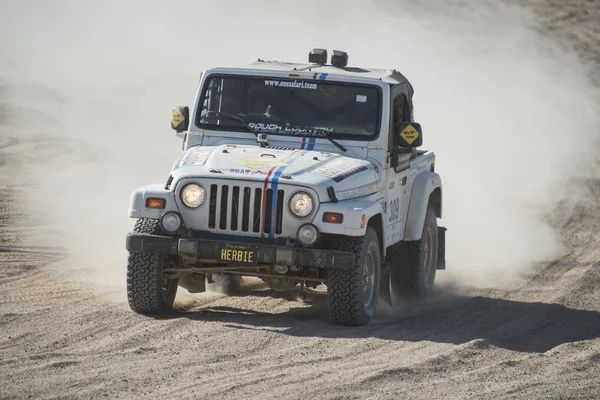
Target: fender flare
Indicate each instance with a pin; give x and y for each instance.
(137, 207)
(353, 211)
(424, 185)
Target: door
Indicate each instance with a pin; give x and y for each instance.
(399, 182)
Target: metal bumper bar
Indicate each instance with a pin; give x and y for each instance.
(265, 254)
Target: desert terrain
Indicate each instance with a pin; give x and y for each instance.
(508, 94)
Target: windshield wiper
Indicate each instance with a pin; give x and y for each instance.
(246, 125)
(319, 130)
(339, 146)
(237, 118)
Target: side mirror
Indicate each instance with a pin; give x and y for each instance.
(409, 134)
(180, 118)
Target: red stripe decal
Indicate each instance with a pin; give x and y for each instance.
(264, 194)
(303, 143)
(264, 203)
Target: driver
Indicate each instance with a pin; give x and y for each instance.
(262, 104)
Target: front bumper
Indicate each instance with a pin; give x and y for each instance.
(207, 249)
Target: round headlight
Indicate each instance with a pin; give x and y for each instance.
(301, 204)
(171, 222)
(193, 195)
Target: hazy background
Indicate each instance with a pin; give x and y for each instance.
(509, 114)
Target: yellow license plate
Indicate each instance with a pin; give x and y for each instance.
(238, 254)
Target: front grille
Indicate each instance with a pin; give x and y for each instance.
(241, 208)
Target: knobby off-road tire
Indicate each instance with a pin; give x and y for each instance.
(414, 263)
(352, 295)
(225, 283)
(147, 291)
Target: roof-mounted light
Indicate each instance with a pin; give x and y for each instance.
(339, 59)
(318, 56)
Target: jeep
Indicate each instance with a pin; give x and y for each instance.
(298, 174)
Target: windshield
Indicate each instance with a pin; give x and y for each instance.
(290, 107)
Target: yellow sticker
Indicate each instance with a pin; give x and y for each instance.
(409, 134)
(327, 90)
(258, 163)
(176, 117)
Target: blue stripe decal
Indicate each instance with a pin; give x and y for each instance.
(323, 77)
(274, 184)
(274, 201)
(311, 143)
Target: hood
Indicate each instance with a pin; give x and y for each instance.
(315, 169)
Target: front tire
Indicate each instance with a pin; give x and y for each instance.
(149, 290)
(352, 295)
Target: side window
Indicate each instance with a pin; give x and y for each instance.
(211, 101)
(401, 113)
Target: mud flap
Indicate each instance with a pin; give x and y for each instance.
(385, 286)
(441, 259)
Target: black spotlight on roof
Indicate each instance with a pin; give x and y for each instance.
(318, 56)
(339, 59)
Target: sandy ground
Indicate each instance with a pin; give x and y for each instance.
(61, 337)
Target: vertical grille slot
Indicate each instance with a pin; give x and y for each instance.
(212, 212)
(235, 206)
(279, 218)
(257, 202)
(246, 209)
(268, 211)
(241, 208)
(223, 210)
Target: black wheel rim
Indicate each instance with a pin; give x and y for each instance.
(368, 279)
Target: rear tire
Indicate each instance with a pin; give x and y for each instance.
(352, 294)
(414, 263)
(148, 290)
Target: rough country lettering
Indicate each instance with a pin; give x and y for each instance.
(292, 84)
(291, 130)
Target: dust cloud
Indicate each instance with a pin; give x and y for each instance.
(506, 111)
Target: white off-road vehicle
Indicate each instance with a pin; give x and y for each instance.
(299, 174)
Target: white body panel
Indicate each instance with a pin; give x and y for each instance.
(364, 184)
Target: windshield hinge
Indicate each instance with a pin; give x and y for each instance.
(261, 138)
(168, 183)
(331, 193)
